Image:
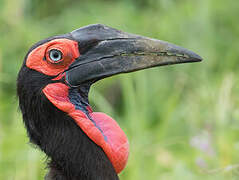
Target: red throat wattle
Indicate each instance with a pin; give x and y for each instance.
(101, 129)
(70, 63)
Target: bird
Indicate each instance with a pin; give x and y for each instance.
(53, 85)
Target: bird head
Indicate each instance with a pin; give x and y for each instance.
(62, 69)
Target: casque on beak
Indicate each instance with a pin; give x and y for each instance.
(105, 51)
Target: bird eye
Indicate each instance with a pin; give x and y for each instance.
(55, 55)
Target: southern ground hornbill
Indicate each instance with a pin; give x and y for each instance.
(53, 86)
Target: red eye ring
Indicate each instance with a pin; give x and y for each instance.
(39, 60)
(55, 56)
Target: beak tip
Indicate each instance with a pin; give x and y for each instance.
(196, 58)
(190, 55)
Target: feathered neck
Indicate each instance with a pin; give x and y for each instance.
(72, 155)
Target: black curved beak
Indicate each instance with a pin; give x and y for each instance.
(105, 51)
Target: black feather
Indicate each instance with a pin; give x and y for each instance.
(72, 154)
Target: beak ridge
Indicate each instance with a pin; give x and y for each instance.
(106, 51)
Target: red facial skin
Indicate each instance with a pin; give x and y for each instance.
(116, 147)
(40, 61)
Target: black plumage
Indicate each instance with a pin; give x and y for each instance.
(72, 155)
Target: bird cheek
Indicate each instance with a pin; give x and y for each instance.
(60, 77)
(37, 61)
(68, 59)
(38, 58)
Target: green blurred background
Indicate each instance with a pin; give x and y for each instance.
(182, 121)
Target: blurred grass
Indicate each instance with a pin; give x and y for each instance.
(182, 120)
